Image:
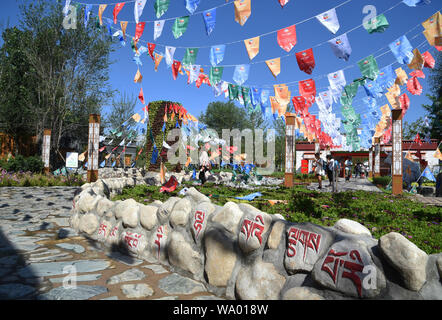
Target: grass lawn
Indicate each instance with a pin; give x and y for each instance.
(381, 213)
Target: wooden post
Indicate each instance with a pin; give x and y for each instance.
(370, 163)
(377, 157)
(93, 146)
(46, 150)
(397, 152)
(290, 149)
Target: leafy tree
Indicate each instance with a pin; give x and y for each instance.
(413, 128)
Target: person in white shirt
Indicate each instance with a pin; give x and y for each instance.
(319, 169)
(348, 165)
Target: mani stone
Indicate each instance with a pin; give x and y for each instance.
(347, 267)
(128, 275)
(196, 197)
(131, 216)
(123, 206)
(104, 230)
(406, 258)
(220, 258)
(198, 221)
(275, 235)
(350, 226)
(166, 209)
(148, 217)
(87, 201)
(101, 188)
(136, 291)
(301, 293)
(229, 217)
(260, 281)
(182, 255)
(104, 206)
(89, 223)
(255, 225)
(180, 213)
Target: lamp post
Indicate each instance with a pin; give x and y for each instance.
(290, 149)
(397, 152)
(46, 150)
(93, 146)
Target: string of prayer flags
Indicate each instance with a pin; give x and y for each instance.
(215, 75)
(252, 47)
(117, 10)
(283, 2)
(369, 67)
(138, 9)
(123, 25)
(141, 97)
(417, 63)
(217, 54)
(274, 66)
(378, 24)
(190, 56)
(287, 38)
(233, 91)
(306, 60)
(414, 87)
(158, 29)
(170, 51)
(329, 19)
(241, 73)
(429, 61)
(341, 47)
(158, 59)
(192, 5)
(101, 9)
(138, 77)
(161, 7)
(402, 50)
(180, 26)
(210, 20)
(243, 10)
(139, 29)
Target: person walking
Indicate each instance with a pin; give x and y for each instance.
(319, 169)
(332, 172)
(348, 165)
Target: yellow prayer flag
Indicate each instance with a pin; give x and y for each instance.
(138, 77)
(162, 173)
(158, 59)
(101, 9)
(433, 25)
(188, 162)
(243, 9)
(282, 109)
(82, 156)
(402, 76)
(408, 156)
(274, 66)
(385, 110)
(123, 25)
(136, 117)
(418, 61)
(438, 154)
(282, 94)
(274, 104)
(252, 47)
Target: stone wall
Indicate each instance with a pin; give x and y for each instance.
(243, 253)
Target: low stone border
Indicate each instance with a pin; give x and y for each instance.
(243, 253)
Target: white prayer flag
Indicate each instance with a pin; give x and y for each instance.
(138, 9)
(158, 29)
(330, 20)
(170, 51)
(194, 73)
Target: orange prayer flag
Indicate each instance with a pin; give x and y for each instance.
(282, 94)
(438, 154)
(252, 47)
(282, 109)
(433, 25)
(243, 10)
(274, 104)
(123, 25)
(162, 174)
(274, 66)
(158, 59)
(188, 162)
(136, 117)
(101, 9)
(418, 61)
(138, 77)
(172, 117)
(402, 76)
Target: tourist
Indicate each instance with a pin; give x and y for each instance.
(331, 171)
(348, 164)
(319, 165)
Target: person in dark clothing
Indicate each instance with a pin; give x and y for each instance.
(202, 174)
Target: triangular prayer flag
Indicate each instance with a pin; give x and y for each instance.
(417, 63)
(414, 87)
(378, 24)
(217, 54)
(87, 14)
(101, 9)
(429, 61)
(141, 96)
(123, 25)
(337, 79)
(241, 73)
(158, 28)
(402, 50)
(282, 94)
(243, 10)
(180, 26)
(252, 47)
(158, 59)
(438, 154)
(136, 117)
(138, 9)
(283, 2)
(194, 73)
(117, 10)
(175, 68)
(329, 19)
(307, 89)
(274, 66)
(233, 91)
(369, 67)
(306, 60)
(287, 38)
(138, 77)
(151, 49)
(190, 56)
(139, 29)
(256, 96)
(161, 6)
(192, 5)
(210, 20)
(216, 74)
(170, 51)
(274, 104)
(341, 47)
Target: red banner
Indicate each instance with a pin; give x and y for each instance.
(117, 10)
(287, 38)
(139, 30)
(306, 60)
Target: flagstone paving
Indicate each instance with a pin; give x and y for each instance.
(355, 184)
(38, 248)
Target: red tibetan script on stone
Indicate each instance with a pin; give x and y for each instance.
(160, 233)
(199, 220)
(350, 268)
(253, 228)
(132, 239)
(102, 230)
(114, 232)
(306, 238)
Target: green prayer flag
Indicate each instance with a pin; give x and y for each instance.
(233, 91)
(216, 74)
(245, 91)
(345, 99)
(378, 24)
(369, 67)
(190, 56)
(351, 89)
(180, 26)
(161, 6)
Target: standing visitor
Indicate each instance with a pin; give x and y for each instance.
(332, 172)
(348, 164)
(319, 169)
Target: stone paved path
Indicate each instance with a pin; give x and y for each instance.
(353, 185)
(38, 250)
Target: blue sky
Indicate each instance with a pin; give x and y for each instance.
(267, 16)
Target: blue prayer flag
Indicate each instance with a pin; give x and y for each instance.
(413, 3)
(341, 47)
(217, 54)
(241, 73)
(265, 97)
(210, 20)
(428, 174)
(256, 96)
(402, 50)
(154, 155)
(386, 78)
(87, 14)
(372, 89)
(192, 5)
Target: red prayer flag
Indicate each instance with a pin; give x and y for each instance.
(414, 87)
(287, 38)
(404, 101)
(307, 89)
(417, 73)
(151, 49)
(283, 2)
(117, 10)
(141, 96)
(418, 140)
(428, 60)
(139, 30)
(306, 60)
(175, 68)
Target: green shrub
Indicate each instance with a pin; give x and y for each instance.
(22, 164)
(383, 181)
